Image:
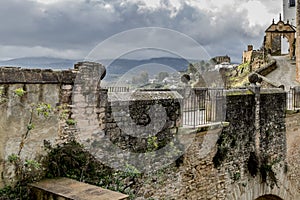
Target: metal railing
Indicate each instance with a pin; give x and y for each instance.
(202, 106)
(293, 98)
(117, 89)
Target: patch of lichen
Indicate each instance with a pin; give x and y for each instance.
(238, 92)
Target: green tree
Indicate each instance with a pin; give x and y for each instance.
(143, 78)
(162, 76)
(192, 69)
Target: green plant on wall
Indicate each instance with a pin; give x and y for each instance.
(20, 92)
(71, 122)
(65, 114)
(42, 110)
(244, 67)
(256, 165)
(64, 111)
(71, 160)
(26, 170)
(264, 166)
(152, 143)
(131, 171)
(267, 171)
(225, 143)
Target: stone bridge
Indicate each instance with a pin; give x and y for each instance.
(253, 156)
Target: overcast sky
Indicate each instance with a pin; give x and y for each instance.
(72, 28)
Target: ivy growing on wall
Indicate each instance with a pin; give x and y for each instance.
(265, 167)
(71, 160)
(225, 143)
(262, 165)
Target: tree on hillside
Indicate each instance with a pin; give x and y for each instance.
(192, 69)
(162, 76)
(143, 78)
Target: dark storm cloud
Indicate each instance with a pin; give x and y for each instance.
(81, 25)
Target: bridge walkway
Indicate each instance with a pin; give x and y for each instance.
(285, 74)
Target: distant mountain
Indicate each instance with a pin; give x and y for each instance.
(118, 66)
(40, 62)
(121, 66)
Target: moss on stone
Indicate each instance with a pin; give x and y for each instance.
(238, 92)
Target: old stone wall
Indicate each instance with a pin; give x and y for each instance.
(244, 160)
(133, 117)
(82, 112)
(193, 178)
(247, 56)
(221, 59)
(268, 68)
(253, 56)
(293, 149)
(272, 124)
(40, 86)
(14, 75)
(198, 177)
(244, 139)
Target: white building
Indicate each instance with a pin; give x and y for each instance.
(289, 11)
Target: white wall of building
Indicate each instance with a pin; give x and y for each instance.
(284, 46)
(289, 12)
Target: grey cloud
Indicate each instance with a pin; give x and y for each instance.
(273, 6)
(83, 24)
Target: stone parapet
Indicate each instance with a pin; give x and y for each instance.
(268, 68)
(14, 75)
(148, 112)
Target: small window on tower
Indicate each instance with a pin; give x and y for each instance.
(292, 3)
